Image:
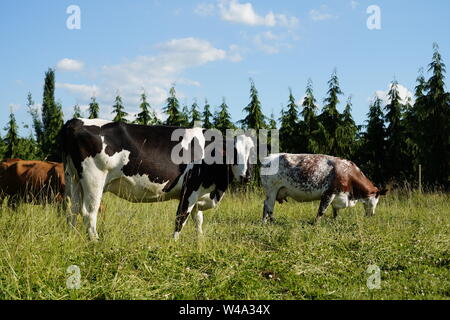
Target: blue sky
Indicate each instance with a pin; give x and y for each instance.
(210, 49)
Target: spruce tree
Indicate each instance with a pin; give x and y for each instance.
(76, 112)
(119, 110)
(255, 118)
(222, 119)
(330, 119)
(172, 110)
(207, 116)
(144, 117)
(289, 130)
(37, 122)
(12, 138)
(435, 124)
(196, 116)
(272, 125)
(373, 150)
(94, 109)
(309, 124)
(185, 116)
(52, 119)
(347, 132)
(395, 135)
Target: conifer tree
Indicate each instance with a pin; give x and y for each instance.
(309, 125)
(272, 125)
(52, 119)
(435, 125)
(145, 117)
(374, 152)
(119, 110)
(289, 130)
(76, 112)
(37, 123)
(347, 132)
(395, 135)
(185, 116)
(12, 138)
(94, 109)
(255, 118)
(172, 110)
(207, 116)
(196, 116)
(330, 119)
(222, 119)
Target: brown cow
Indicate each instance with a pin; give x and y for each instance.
(309, 177)
(39, 181)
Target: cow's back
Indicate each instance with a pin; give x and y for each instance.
(303, 177)
(31, 178)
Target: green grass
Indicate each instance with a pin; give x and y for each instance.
(237, 258)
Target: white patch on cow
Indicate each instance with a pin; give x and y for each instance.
(189, 135)
(137, 188)
(94, 122)
(244, 145)
(342, 201)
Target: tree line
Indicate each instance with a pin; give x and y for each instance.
(395, 139)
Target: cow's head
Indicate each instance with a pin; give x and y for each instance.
(371, 202)
(242, 167)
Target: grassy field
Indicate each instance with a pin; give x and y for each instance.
(237, 258)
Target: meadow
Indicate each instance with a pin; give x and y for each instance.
(237, 257)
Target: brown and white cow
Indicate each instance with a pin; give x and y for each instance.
(309, 177)
(38, 181)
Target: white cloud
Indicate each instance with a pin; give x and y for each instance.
(153, 73)
(321, 14)
(272, 43)
(14, 107)
(244, 13)
(404, 93)
(354, 4)
(81, 90)
(67, 64)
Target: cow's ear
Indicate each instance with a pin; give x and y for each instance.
(382, 192)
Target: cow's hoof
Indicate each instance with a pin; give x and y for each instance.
(176, 236)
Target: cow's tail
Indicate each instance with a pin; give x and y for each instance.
(72, 179)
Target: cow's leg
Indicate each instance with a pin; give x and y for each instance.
(335, 212)
(74, 205)
(92, 186)
(185, 207)
(325, 201)
(269, 205)
(197, 216)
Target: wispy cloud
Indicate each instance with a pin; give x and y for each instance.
(354, 4)
(321, 14)
(152, 73)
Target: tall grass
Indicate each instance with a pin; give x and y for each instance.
(237, 258)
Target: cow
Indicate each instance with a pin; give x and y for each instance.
(35, 181)
(135, 163)
(309, 177)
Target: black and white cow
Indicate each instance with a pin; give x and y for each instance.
(136, 163)
(309, 177)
